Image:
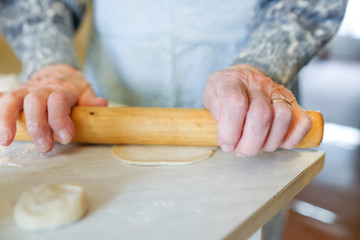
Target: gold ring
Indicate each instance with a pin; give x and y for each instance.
(281, 100)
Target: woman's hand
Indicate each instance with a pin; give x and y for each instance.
(46, 99)
(241, 99)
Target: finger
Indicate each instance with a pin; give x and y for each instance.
(300, 126)
(257, 124)
(233, 108)
(11, 104)
(89, 98)
(281, 122)
(59, 109)
(36, 119)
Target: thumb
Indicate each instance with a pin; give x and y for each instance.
(89, 98)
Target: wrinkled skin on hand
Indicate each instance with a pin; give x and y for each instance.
(239, 98)
(46, 99)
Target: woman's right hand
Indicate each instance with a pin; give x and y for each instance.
(46, 99)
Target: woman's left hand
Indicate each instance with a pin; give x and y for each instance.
(253, 112)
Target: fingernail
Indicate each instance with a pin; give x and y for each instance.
(64, 136)
(227, 148)
(4, 135)
(4, 138)
(240, 155)
(43, 145)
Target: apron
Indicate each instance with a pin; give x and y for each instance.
(160, 52)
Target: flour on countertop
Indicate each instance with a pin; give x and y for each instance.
(22, 154)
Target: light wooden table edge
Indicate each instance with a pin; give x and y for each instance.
(273, 206)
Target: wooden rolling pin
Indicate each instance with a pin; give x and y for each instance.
(160, 126)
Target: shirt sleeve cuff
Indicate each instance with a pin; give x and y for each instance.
(52, 48)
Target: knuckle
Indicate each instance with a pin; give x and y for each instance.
(34, 128)
(283, 115)
(33, 97)
(58, 96)
(234, 100)
(262, 112)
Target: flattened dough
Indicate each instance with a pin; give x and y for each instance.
(161, 155)
(50, 206)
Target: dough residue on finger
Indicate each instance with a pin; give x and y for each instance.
(152, 155)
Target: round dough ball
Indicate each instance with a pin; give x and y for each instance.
(50, 206)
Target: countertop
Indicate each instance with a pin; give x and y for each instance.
(221, 197)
